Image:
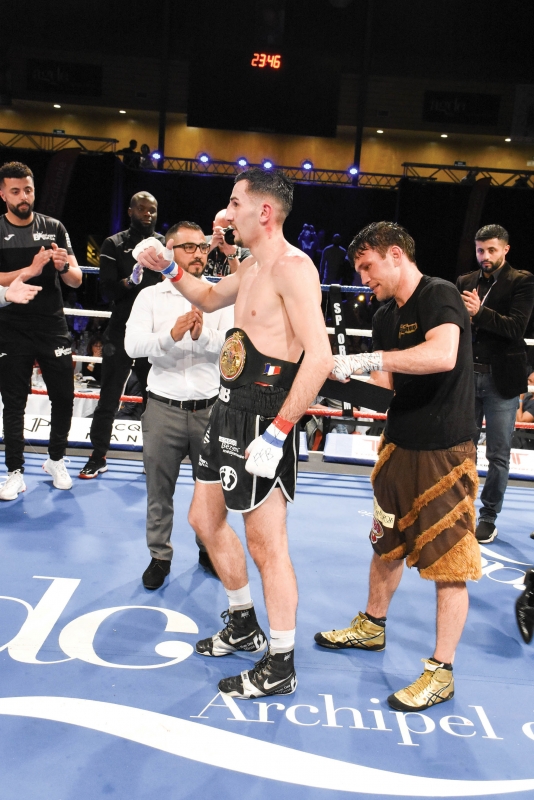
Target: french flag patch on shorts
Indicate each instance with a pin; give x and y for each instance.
(270, 370)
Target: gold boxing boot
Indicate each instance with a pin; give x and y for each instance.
(435, 685)
(362, 634)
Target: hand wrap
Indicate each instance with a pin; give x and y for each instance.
(345, 366)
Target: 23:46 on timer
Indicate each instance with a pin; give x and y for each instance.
(266, 60)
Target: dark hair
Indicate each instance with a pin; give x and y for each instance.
(14, 169)
(272, 183)
(192, 226)
(380, 236)
(492, 232)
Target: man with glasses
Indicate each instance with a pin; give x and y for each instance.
(183, 346)
(120, 284)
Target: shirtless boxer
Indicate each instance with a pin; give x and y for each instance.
(249, 459)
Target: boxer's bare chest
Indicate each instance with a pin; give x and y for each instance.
(261, 313)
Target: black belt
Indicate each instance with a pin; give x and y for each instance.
(186, 405)
(482, 368)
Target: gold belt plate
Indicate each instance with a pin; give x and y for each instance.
(233, 357)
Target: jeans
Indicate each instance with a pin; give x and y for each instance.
(500, 419)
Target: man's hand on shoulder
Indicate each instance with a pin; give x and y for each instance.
(20, 292)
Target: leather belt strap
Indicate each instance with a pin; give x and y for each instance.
(185, 405)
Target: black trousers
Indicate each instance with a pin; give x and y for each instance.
(54, 355)
(116, 366)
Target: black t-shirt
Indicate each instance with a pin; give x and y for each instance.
(436, 411)
(116, 264)
(18, 246)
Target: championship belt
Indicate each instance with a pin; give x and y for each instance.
(240, 363)
(233, 356)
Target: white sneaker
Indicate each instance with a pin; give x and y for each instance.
(58, 471)
(13, 485)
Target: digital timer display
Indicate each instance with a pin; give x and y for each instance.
(262, 60)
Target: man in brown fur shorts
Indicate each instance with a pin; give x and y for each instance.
(425, 481)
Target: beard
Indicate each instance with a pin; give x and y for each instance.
(140, 227)
(495, 265)
(196, 269)
(18, 212)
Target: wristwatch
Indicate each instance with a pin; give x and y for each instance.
(65, 268)
(237, 253)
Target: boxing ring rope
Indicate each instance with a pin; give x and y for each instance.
(316, 412)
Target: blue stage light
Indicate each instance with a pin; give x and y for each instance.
(204, 158)
(242, 162)
(353, 171)
(307, 164)
(156, 155)
(267, 164)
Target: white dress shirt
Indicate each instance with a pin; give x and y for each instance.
(185, 370)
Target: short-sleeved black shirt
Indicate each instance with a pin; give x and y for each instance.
(436, 411)
(18, 246)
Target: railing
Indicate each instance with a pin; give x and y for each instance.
(466, 174)
(39, 140)
(297, 174)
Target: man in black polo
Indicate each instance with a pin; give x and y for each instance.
(121, 285)
(37, 248)
(499, 300)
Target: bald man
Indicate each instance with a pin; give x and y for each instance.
(121, 287)
(224, 255)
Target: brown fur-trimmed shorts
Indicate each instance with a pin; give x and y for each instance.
(424, 510)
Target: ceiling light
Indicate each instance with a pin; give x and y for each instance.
(444, 135)
(56, 105)
(380, 131)
(122, 112)
(507, 140)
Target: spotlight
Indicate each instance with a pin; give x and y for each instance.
(444, 135)
(122, 111)
(353, 170)
(507, 140)
(307, 164)
(267, 164)
(242, 162)
(156, 155)
(380, 131)
(361, 298)
(56, 105)
(204, 158)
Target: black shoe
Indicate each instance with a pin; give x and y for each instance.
(242, 632)
(485, 532)
(155, 574)
(273, 674)
(93, 467)
(524, 608)
(204, 561)
(532, 535)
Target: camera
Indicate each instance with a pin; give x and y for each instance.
(229, 235)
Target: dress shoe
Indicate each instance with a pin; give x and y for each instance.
(204, 561)
(524, 608)
(155, 574)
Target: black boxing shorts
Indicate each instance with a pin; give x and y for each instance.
(238, 417)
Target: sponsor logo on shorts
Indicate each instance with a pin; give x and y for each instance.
(407, 328)
(228, 478)
(230, 447)
(202, 462)
(377, 531)
(47, 237)
(63, 351)
(387, 520)
(206, 439)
